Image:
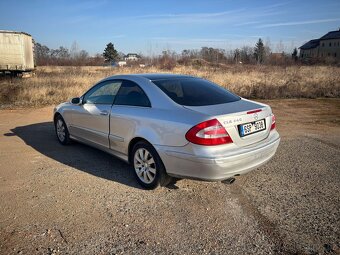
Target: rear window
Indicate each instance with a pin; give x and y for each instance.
(195, 92)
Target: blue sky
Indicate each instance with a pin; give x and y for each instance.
(149, 27)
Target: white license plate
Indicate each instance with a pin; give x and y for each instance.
(252, 127)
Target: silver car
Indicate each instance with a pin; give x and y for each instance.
(171, 126)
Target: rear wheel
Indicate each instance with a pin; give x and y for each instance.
(148, 166)
(61, 130)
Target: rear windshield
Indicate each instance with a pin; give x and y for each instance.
(195, 92)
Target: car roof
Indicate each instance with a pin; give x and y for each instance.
(155, 94)
(156, 76)
(162, 76)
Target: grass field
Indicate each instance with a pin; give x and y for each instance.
(52, 85)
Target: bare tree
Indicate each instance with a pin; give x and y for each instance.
(42, 54)
(74, 50)
(237, 56)
(247, 55)
(280, 47)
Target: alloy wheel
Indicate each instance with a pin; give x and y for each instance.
(61, 133)
(145, 165)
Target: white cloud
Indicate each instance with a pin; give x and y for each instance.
(212, 17)
(294, 23)
(242, 16)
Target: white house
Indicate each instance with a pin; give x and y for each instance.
(121, 63)
(132, 57)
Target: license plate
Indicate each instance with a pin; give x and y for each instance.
(252, 127)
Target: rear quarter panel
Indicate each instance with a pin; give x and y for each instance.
(157, 126)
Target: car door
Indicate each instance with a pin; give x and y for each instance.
(91, 119)
(130, 107)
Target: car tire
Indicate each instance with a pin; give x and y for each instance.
(148, 166)
(61, 130)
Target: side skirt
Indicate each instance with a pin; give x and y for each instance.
(100, 147)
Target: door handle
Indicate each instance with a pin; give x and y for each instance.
(104, 113)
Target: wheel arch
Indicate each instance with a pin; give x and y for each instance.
(56, 114)
(132, 143)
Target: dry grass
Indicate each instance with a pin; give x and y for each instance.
(53, 85)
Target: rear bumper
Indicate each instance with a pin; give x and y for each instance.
(180, 163)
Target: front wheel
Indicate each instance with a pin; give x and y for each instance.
(61, 130)
(148, 166)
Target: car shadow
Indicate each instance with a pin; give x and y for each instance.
(41, 137)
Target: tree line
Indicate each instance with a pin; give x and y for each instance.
(259, 54)
(64, 56)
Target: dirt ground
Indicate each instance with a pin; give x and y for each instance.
(78, 200)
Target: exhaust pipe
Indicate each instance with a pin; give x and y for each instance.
(229, 180)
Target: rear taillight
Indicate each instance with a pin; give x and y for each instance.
(209, 132)
(273, 122)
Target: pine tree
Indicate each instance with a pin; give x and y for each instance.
(110, 53)
(295, 54)
(259, 51)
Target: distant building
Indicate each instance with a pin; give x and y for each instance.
(328, 46)
(121, 63)
(132, 57)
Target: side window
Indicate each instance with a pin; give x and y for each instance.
(131, 94)
(103, 93)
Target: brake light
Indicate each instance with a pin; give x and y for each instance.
(254, 111)
(209, 132)
(273, 122)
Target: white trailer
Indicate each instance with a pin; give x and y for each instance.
(16, 52)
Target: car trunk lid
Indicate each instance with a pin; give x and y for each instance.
(232, 115)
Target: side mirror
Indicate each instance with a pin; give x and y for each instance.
(76, 101)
